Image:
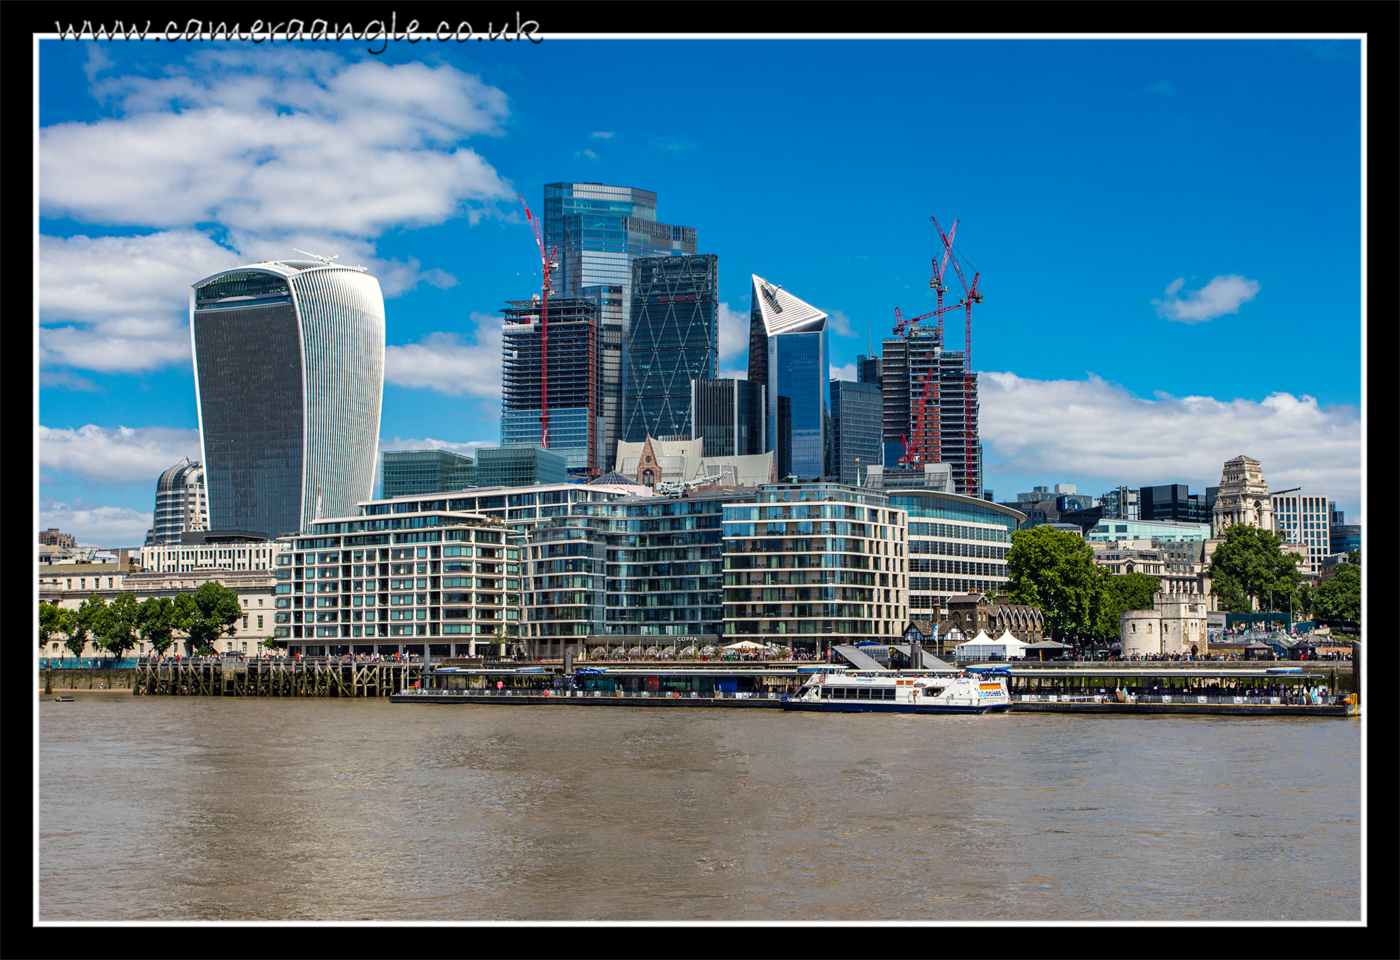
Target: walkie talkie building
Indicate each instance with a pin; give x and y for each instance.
(289, 377)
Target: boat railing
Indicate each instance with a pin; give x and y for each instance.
(1326, 700)
(593, 694)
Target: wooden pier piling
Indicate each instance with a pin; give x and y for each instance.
(308, 677)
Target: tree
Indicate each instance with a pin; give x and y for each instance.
(1054, 570)
(1340, 597)
(119, 626)
(53, 620)
(207, 614)
(1128, 591)
(85, 622)
(1251, 566)
(157, 622)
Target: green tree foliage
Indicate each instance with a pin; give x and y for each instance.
(1129, 591)
(157, 621)
(85, 622)
(1340, 597)
(53, 620)
(1054, 570)
(118, 631)
(1250, 565)
(207, 614)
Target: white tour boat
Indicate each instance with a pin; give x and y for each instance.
(967, 692)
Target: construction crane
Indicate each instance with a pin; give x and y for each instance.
(971, 295)
(548, 264)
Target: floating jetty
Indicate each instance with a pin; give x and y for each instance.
(278, 677)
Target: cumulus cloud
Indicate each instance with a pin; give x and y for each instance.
(1222, 295)
(1092, 429)
(447, 363)
(840, 324)
(602, 134)
(733, 332)
(94, 525)
(586, 153)
(277, 144)
(731, 373)
(121, 455)
(467, 449)
(276, 150)
(848, 372)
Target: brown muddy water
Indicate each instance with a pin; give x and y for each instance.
(158, 809)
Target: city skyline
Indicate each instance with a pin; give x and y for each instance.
(1145, 316)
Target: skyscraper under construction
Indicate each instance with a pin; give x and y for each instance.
(917, 369)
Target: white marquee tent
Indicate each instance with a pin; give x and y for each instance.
(983, 647)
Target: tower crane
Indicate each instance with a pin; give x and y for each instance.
(971, 295)
(548, 264)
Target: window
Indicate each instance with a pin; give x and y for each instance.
(259, 626)
(245, 623)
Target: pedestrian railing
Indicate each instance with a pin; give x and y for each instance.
(1286, 700)
(612, 694)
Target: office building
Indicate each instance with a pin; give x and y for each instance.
(54, 537)
(599, 230)
(1306, 519)
(1120, 503)
(1173, 502)
(289, 377)
(411, 473)
(209, 550)
(1345, 537)
(730, 416)
(1164, 530)
(181, 503)
(672, 340)
(574, 379)
(814, 565)
(790, 354)
(856, 412)
(519, 466)
(917, 371)
(868, 370)
(957, 546)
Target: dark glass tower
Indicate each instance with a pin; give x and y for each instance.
(792, 337)
(729, 415)
(856, 411)
(599, 230)
(289, 376)
(673, 340)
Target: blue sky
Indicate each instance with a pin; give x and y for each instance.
(1168, 231)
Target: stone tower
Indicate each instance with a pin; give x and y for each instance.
(1243, 497)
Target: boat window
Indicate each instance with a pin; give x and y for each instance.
(863, 694)
(887, 693)
(932, 691)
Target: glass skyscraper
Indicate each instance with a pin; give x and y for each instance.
(790, 353)
(406, 473)
(856, 421)
(289, 377)
(600, 230)
(673, 339)
(729, 416)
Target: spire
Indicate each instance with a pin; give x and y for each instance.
(319, 515)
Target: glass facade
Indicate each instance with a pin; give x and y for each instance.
(856, 411)
(957, 545)
(519, 466)
(814, 565)
(407, 473)
(289, 374)
(673, 339)
(574, 378)
(599, 230)
(1148, 530)
(729, 416)
(916, 369)
(799, 366)
(181, 503)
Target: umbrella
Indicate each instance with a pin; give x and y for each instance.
(745, 645)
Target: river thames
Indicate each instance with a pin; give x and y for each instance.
(163, 809)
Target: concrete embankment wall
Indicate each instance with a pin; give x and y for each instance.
(86, 679)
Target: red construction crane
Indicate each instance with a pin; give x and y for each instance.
(547, 265)
(971, 295)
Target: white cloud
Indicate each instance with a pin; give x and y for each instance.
(602, 134)
(733, 332)
(277, 145)
(732, 374)
(94, 525)
(586, 153)
(448, 364)
(121, 455)
(848, 372)
(840, 324)
(278, 149)
(428, 443)
(1094, 430)
(1222, 295)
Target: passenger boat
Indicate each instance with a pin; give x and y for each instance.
(967, 692)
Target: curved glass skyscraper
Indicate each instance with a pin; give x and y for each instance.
(289, 376)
